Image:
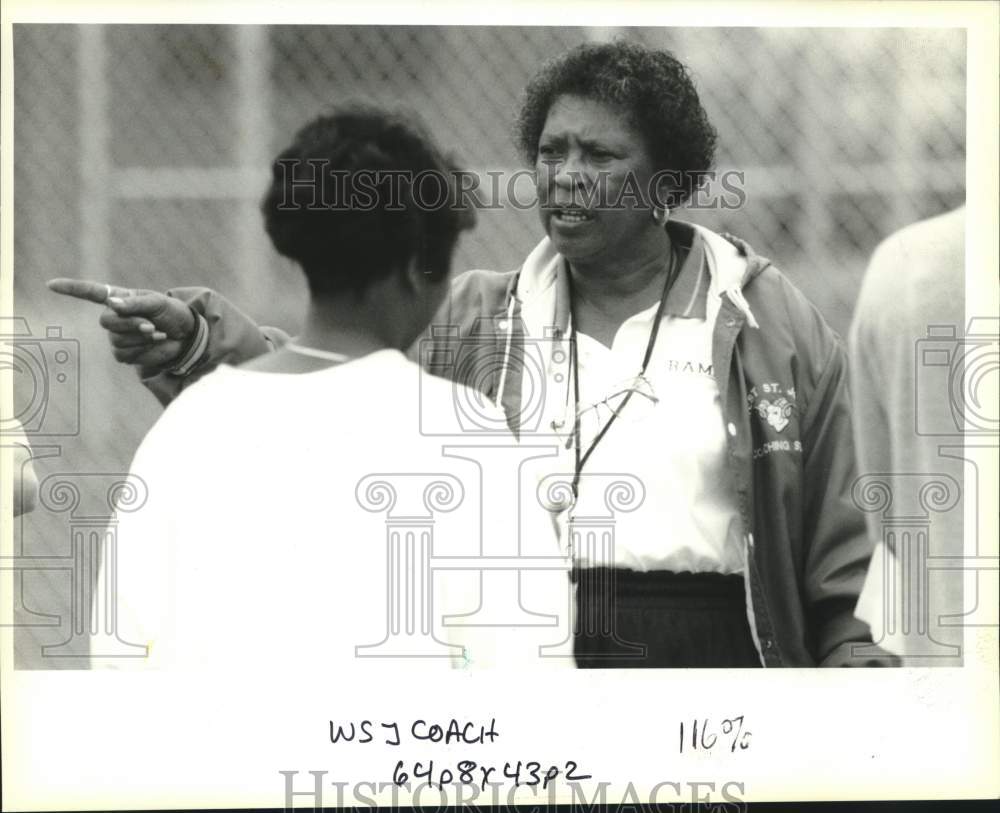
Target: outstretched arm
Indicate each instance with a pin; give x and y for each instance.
(176, 337)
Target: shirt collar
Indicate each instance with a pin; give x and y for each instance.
(688, 295)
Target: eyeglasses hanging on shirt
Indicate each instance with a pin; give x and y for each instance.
(617, 402)
(600, 412)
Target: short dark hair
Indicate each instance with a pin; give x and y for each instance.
(342, 203)
(652, 87)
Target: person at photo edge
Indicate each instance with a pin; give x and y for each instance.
(694, 364)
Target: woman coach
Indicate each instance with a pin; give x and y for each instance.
(673, 354)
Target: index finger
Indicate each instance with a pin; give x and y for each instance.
(83, 289)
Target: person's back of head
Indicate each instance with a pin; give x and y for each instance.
(362, 197)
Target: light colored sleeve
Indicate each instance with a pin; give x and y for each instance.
(868, 343)
(139, 574)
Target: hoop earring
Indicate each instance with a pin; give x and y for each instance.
(660, 216)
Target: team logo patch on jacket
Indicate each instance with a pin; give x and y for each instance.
(774, 405)
(775, 412)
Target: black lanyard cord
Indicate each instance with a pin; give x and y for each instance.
(581, 459)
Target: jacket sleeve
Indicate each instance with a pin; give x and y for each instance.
(232, 338)
(838, 548)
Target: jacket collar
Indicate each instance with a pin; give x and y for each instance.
(687, 296)
(543, 291)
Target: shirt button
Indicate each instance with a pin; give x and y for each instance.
(768, 644)
(503, 324)
(732, 429)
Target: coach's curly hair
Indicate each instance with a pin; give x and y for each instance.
(651, 86)
(343, 203)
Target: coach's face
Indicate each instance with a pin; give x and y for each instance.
(593, 174)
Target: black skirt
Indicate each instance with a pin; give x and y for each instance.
(628, 619)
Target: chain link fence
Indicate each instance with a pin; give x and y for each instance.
(141, 153)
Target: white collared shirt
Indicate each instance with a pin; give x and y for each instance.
(671, 437)
(669, 441)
